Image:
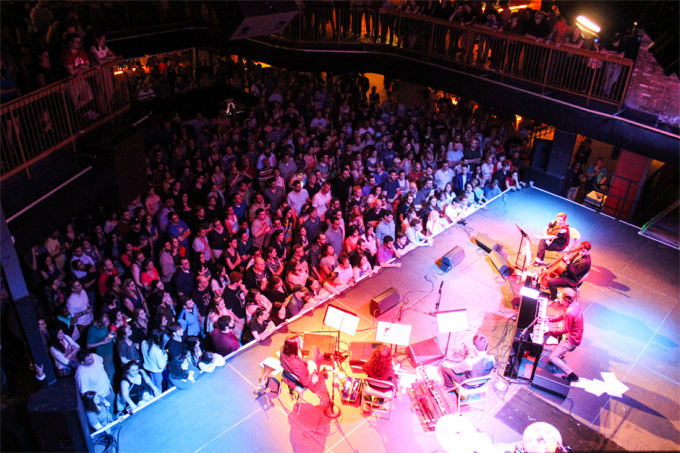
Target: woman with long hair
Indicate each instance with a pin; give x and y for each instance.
(132, 297)
(296, 273)
(361, 267)
(306, 371)
(231, 256)
(63, 350)
(155, 357)
(96, 410)
(380, 365)
(216, 309)
(127, 351)
(136, 388)
(140, 326)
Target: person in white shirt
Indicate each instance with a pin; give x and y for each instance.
(298, 197)
(91, 376)
(322, 200)
(79, 304)
(344, 270)
(443, 176)
(415, 235)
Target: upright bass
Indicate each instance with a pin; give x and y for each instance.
(555, 269)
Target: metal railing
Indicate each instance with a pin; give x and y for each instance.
(37, 124)
(585, 74)
(125, 16)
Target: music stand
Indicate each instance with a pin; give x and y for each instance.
(393, 333)
(521, 243)
(343, 321)
(451, 321)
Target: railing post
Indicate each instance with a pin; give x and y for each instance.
(17, 138)
(547, 70)
(592, 81)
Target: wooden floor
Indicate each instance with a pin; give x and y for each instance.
(632, 328)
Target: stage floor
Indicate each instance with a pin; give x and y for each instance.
(632, 328)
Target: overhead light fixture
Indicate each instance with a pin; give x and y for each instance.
(587, 23)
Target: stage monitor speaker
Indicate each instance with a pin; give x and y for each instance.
(121, 149)
(548, 382)
(384, 302)
(58, 419)
(360, 352)
(500, 263)
(510, 294)
(263, 18)
(424, 352)
(325, 343)
(451, 259)
(485, 243)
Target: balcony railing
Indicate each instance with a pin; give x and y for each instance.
(45, 120)
(585, 74)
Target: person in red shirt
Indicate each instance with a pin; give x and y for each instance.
(108, 269)
(572, 326)
(76, 62)
(223, 336)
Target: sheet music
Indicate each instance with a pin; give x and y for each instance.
(393, 333)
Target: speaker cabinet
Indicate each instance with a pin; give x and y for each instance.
(58, 419)
(384, 302)
(485, 243)
(121, 148)
(424, 352)
(500, 263)
(542, 150)
(561, 151)
(548, 382)
(451, 259)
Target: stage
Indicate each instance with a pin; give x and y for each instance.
(632, 328)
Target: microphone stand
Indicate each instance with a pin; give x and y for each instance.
(439, 299)
(332, 410)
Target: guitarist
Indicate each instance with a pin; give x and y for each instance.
(574, 272)
(555, 238)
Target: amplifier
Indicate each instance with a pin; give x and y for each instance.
(360, 352)
(485, 243)
(424, 352)
(548, 382)
(384, 302)
(325, 343)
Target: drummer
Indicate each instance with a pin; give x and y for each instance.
(477, 364)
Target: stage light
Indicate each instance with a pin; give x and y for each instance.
(587, 23)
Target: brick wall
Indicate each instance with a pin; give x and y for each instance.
(650, 89)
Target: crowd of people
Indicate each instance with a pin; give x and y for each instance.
(250, 219)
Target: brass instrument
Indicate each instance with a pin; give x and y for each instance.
(263, 386)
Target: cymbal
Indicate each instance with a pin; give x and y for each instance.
(457, 434)
(541, 437)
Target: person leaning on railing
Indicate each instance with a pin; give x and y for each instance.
(76, 62)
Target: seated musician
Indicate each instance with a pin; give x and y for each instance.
(555, 238)
(577, 268)
(572, 326)
(380, 366)
(307, 371)
(477, 364)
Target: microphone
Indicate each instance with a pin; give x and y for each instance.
(440, 287)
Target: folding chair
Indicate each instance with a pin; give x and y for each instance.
(377, 396)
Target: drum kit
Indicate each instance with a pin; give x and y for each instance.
(457, 434)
